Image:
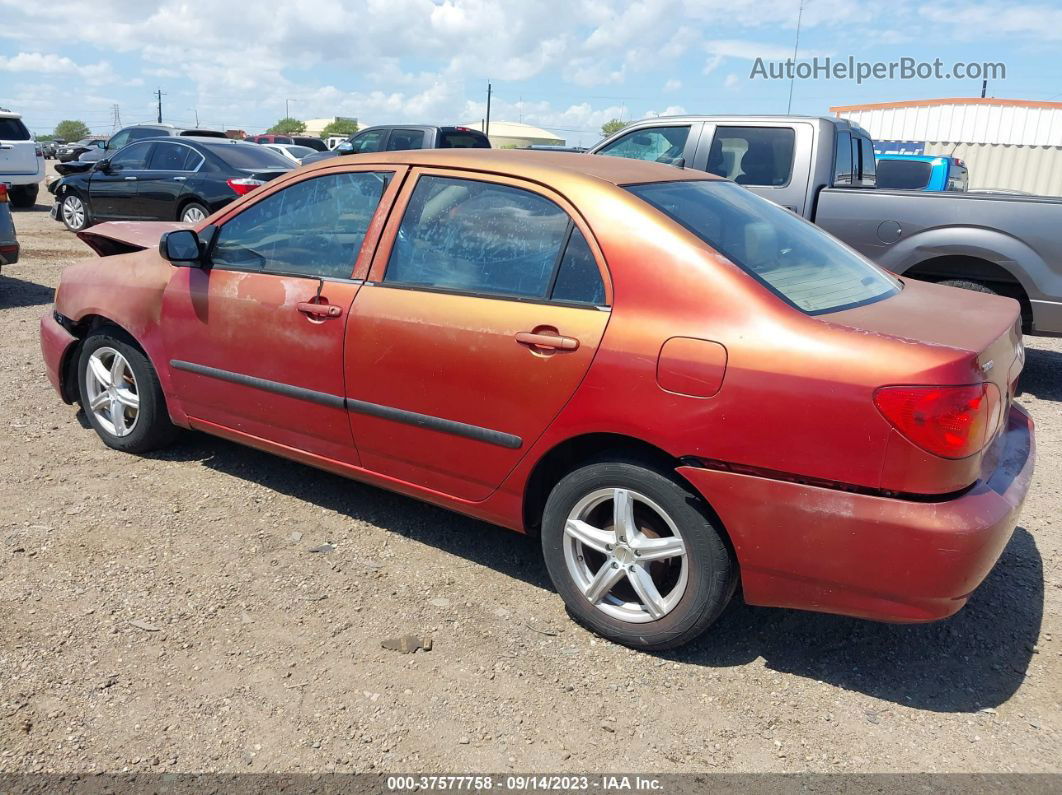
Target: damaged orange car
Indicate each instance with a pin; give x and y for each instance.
(677, 385)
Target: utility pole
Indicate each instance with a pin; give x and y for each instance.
(984, 87)
(287, 107)
(796, 46)
(116, 118)
(486, 124)
(158, 94)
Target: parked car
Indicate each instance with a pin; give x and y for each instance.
(674, 383)
(70, 152)
(922, 172)
(21, 160)
(140, 132)
(8, 239)
(50, 147)
(292, 152)
(332, 141)
(169, 179)
(269, 138)
(824, 169)
(310, 141)
(393, 138)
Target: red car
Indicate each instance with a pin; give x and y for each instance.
(678, 385)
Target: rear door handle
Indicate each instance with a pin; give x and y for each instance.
(180, 179)
(554, 341)
(7, 146)
(130, 179)
(319, 310)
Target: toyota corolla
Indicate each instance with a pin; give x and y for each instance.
(675, 384)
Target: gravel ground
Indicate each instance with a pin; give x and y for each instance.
(168, 613)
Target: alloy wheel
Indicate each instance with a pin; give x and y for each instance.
(193, 215)
(112, 391)
(626, 555)
(73, 212)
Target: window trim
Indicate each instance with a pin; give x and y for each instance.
(382, 255)
(373, 232)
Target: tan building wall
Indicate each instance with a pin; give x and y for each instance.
(1033, 169)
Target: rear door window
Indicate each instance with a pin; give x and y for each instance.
(174, 157)
(405, 139)
(312, 228)
(759, 156)
(478, 237)
(659, 144)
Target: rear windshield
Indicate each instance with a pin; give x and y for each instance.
(463, 139)
(794, 259)
(13, 130)
(204, 133)
(904, 174)
(249, 156)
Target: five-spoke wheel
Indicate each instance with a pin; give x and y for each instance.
(111, 391)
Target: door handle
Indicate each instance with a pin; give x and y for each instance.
(319, 310)
(130, 179)
(180, 179)
(7, 146)
(554, 341)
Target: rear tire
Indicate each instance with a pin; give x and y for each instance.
(193, 213)
(969, 284)
(635, 556)
(121, 395)
(23, 197)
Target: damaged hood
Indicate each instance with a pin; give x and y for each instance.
(122, 237)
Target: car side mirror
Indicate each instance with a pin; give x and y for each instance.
(104, 165)
(181, 247)
(344, 147)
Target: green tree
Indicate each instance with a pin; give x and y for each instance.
(612, 126)
(72, 130)
(340, 127)
(287, 126)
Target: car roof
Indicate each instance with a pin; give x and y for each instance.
(9, 114)
(540, 166)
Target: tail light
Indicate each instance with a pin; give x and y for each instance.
(949, 421)
(244, 185)
(39, 151)
(3, 193)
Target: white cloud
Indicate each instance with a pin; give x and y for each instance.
(672, 85)
(731, 81)
(52, 64)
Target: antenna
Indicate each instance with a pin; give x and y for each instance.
(796, 46)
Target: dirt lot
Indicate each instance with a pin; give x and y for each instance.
(168, 614)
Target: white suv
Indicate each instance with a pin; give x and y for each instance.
(21, 160)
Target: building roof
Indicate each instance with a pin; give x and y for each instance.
(929, 103)
(514, 129)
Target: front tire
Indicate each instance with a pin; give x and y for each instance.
(635, 556)
(74, 212)
(121, 395)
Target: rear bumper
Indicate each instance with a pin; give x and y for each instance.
(873, 557)
(56, 343)
(1047, 318)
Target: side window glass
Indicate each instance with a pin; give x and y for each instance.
(761, 156)
(118, 141)
(405, 139)
(368, 141)
(313, 228)
(133, 157)
(173, 157)
(842, 168)
(140, 133)
(867, 163)
(662, 144)
(578, 278)
(478, 237)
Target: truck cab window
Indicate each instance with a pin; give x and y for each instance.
(761, 156)
(842, 165)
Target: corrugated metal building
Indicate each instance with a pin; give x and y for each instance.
(1007, 143)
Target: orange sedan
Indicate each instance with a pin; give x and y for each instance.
(678, 385)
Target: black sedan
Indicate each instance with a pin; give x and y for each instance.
(164, 179)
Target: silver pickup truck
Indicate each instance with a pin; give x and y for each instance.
(824, 169)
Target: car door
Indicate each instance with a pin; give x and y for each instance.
(113, 190)
(475, 328)
(165, 178)
(255, 341)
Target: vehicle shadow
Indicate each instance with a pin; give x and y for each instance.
(1042, 376)
(18, 292)
(976, 659)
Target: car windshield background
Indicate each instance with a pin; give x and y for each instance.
(659, 144)
(368, 141)
(462, 139)
(904, 174)
(249, 158)
(794, 259)
(405, 139)
(132, 158)
(313, 228)
(478, 237)
(13, 130)
(761, 156)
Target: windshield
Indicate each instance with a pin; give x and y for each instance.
(794, 259)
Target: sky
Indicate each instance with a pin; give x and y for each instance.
(564, 65)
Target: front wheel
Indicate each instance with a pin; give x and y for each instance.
(74, 212)
(634, 555)
(121, 395)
